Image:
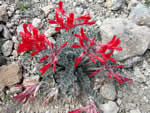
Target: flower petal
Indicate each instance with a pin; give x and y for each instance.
(52, 22)
(44, 58)
(94, 73)
(44, 68)
(62, 46)
(55, 62)
(117, 78)
(75, 46)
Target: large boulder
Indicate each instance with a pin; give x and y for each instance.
(134, 39)
(10, 74)
(3, 14)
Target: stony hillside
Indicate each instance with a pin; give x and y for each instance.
(128, 19)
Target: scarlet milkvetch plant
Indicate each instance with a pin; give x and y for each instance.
(33, 40)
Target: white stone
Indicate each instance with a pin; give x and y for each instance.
(36, 22)
(79, 10)
(47, 9)
(110, 107)
(135, 111)
(108, 91)
(7, 48)
(115, 4)
(50, 32)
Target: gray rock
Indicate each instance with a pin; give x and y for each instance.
(12, 8)
(110, 107)
(15, 39)
(99, 22)
(142, 73)
(2, 60)
(3, 14)
(16, 17)
(115, 4)
(47, 112)
(79, 10)
(38, 12)
(140, 15)
(51, 39)
(20, 29)
(9, 25)
(132, 4)
(18, 111)
(31, 79)
(100, 1)
(14, 90)
(6, 33)
(1, 27)
(108, 91)
(134, 39)
(17, 12)
(139, 75)
(50, 32)
(10, 13)
(47, 9)
(7, 48)
(15, 53)
(135, 111)
(36, 22)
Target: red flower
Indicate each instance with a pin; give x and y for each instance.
(114, 43)
(53, 56)
(89, 109)
(125, 79)
(76, 111)
(111, 45)
(109, 71)
(31, 41)
(60, 8)
(88, 46)
(70, 19)
(29, 93)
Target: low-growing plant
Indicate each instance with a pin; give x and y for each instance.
(75, 60)
(23, 5)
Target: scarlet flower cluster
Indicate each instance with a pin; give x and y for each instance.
(33, 40)
(93, 51)
(109, 71)
(70, 19)
(29, 93)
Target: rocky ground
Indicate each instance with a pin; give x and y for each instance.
(129, 19)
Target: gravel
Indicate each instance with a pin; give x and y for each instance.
(123, 99)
